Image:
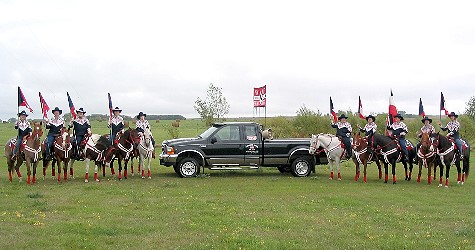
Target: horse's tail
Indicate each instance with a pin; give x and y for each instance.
(466, 160)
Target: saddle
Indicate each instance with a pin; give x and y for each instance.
(12, 143)
(409, 145)
(464, 143)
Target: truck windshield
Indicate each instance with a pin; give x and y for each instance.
(208, 132)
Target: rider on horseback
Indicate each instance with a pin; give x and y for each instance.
(55, 124)
(143, 124)
(116, 123)
(453, 127)
(399, 131)
(343, 130)
(369, 129)
(427, 128)
(24, 129)
(81, 126)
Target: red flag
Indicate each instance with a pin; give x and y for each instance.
(44, 106)
(110, 105)
(442, 104)
(22, 101)
(421, 109)
(360, 109)
(332, 111)
(260, 97)
(71, 107)
(392, 109)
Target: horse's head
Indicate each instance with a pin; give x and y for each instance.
(435, 141)
(64, 138)
(359, 142)
(426, 143)
(147, 135)
(314, 144)
(134, 136)
(37, 130)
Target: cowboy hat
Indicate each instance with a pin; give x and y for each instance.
(342, 116)
(23, 113)
(426, 119)
(141, 114)
(117, 109)
(453, 114)
(57, 109)
(372, 117)
(399, 116)
(80, 110)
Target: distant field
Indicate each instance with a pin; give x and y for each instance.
(233, 210)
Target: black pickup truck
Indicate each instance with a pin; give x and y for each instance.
(238, 145)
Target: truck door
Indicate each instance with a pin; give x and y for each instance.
(225, 146)
(251, 145)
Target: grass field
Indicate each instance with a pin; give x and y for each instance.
(233, 210)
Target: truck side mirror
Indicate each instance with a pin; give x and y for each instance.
(213, 140)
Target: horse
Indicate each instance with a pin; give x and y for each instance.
(123, 150)
(145, 152)
(31, 148)
(62, 149)
(93, 149)
(426, 157)
(447, 153)
(388, 151)
(362, 156)
(333, 148)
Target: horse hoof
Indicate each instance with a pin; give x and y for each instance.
(133, 174)
(339, 179)
(462, 183)
(446, 186)
(97, 180)
(86, 180)
(440, 185)
(394, 183)
(143, 177)
(150, 177)
(458, 182)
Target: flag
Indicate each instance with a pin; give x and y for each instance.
(71, 107)
(44, 106)
(332, 111)
(392, 109)
(421, 109)
(360, 108)
(442, 104)
(22, 101)
(260, 99)
(110, 105)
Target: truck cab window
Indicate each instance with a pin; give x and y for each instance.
(228, 133)
(250, 133)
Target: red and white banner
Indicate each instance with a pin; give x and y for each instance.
(392, 109)
(360, 108)
(260, 97)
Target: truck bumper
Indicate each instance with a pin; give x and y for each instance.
(168, 160)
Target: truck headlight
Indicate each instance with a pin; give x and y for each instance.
(170, 150)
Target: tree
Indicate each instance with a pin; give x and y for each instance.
(213, 107)
(470, 109)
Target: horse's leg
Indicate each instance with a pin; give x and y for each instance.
(125, 168)
(35, 165)
(53, 172)
(87, 161)
(357, 167)
(17, 167)
(96, 178)
(338, 168)
(404, 163)
(386, 172)
(441, 173)
(132, 166)
(447, 172)
(380, 175)
(465, 163)
(112, 167)
(10, 164)
(331, 169)
(65, 169)
(71, 165)
(119, 161)
(59, 170)
(28, 171)
(420, 172)
(141, 166)
(148, 167)
(365, 165)
(459, 172)
(429, 175)
(45, 166)
(393, 166)
(410, 168)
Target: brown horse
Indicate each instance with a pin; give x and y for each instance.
(62, 149)
(123, 150)
(427, 157)
(363, 155)
(95, 147)
(31, 149)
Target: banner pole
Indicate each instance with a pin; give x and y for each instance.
(265, 116)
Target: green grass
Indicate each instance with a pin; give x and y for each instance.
(233, 210)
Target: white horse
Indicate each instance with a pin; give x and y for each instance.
(145, 152)
(332, 147)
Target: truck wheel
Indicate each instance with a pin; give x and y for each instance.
(301, 167)
(188, 167)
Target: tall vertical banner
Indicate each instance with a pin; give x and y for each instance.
(421, 109)
(392, 109)
(260, 99)
(110, 105)
(360, 108)
(22, 101)
(442, 106)
(332, 111)
(72, 109)
(44, 106)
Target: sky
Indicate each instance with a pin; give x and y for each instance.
(159, 56)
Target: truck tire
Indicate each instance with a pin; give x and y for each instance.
(188, 167)
(301, 167)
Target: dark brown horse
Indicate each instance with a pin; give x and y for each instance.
(62, 149)
(123, 150)
(427, 157)
(95, 147)
(447, 153)
(362, 155)
(31, 149)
